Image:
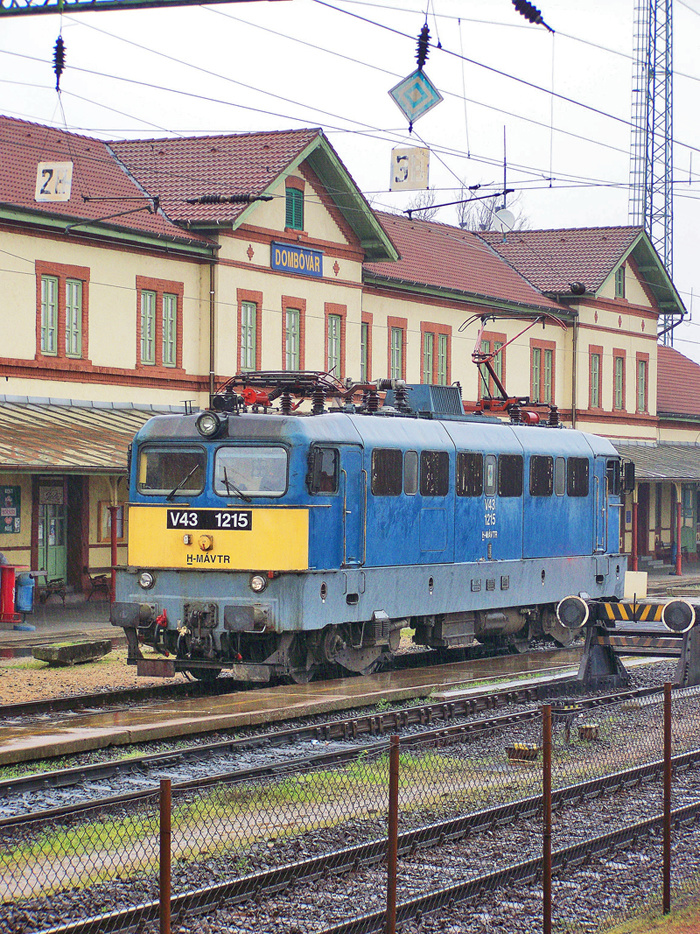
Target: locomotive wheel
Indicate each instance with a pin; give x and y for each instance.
(337, 650)
(303, 669)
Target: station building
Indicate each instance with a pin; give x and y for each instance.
(138, 275)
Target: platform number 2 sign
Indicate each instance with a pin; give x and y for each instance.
(53, 181)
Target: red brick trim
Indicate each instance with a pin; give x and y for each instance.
(621, 354)
(493, 336)
(331, 308)
(291, 181)
(536, 343)
(76, 371)
(595, 349)
(62, 272)
(427, 327)
(641, 357)
(392, 322)
(300, 305)
(368, 319)
(248, 295)
(160, 287)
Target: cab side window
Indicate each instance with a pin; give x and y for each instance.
(324, 470)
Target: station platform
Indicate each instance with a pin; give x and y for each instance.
(195, 716)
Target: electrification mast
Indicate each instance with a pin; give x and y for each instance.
(651, 167)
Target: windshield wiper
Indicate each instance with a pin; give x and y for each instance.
(230, 485)
(182, 482)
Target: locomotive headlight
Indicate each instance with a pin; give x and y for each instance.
(258, 583)
(209, 424)
(146, 580)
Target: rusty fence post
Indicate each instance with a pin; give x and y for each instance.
(546, 819)
(393, 841)
(165, 834)
(667, 801)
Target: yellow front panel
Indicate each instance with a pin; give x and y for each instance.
(277, 539)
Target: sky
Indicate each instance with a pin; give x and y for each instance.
(557, 104)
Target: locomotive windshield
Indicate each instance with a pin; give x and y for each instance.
(171, 470)
(253, 471)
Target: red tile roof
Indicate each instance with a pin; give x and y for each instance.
(552, 259)
(177, 169)
(96, 175)
(678, 384)
(450, 258)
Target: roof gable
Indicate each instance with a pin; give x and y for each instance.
(453, 260)
(100, 187)
(250, 164)
(552, 260)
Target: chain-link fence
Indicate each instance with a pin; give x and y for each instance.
(305, 849)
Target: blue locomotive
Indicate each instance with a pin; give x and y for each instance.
(279, 541)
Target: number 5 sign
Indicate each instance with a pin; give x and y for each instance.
(53, 181)
(409, 168)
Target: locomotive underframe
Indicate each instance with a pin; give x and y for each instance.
(307, 621)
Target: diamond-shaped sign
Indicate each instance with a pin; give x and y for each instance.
(415, 95)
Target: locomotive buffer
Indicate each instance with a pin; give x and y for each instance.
(616, 628)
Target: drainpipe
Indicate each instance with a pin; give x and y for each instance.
(574, 372)
(633, 553)
(212, 328)
(679, 509)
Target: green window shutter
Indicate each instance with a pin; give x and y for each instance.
(294, 209)
(169, 329)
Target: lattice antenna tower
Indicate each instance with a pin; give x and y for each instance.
(651, 167)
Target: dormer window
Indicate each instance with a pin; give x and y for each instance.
(620, 282)
(294, 218)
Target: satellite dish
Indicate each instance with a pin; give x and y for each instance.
(503, 220)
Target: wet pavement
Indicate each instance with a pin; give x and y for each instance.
(186, 717)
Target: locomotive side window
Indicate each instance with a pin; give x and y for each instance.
(434, 473)
(510, 475)
(612, 470)
(541, 475)
(387, 471)
(323, 474)
(560, 476)
(577, 476)
(470, 474)
(171, 470)
(253, 471)
(490, 475)
(410, 473)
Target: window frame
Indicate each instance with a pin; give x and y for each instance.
(469, 482)
(395, 325)
(541, 475)
(63, 277)
(574, 484)
(169, 333)
(510, 485)
(434, 473)
(291, 303)
(159, 288)
(331, 311)
(619, 363)
(104, 519)
(437, 370)
(595, 350)
(543, 373)
(316, 455)
(247, 296)
(642, 361)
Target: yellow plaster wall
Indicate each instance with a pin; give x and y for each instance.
(16, 545)
(112, 298)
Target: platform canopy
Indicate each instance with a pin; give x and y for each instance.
(662, 461)
(69, 437)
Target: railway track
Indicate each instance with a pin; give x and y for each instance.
(414, 844)
(347, 730)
